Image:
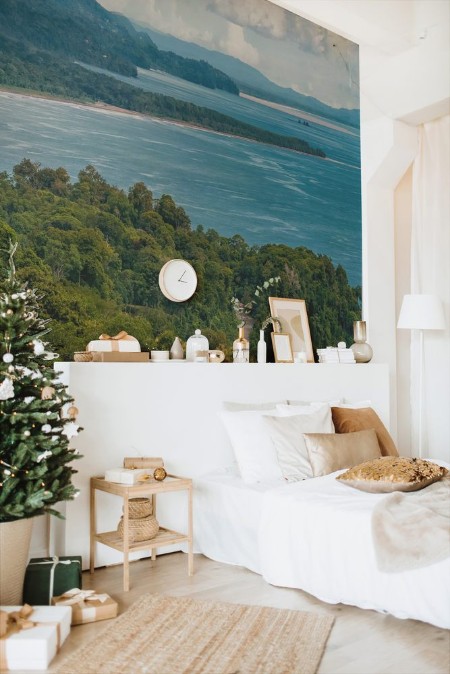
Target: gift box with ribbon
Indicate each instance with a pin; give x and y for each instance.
(87, 606)
(30, 637)
(47, 577)
(120, 342)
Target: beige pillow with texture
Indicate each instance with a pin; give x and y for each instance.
(388, 474)
(286, 434)
(331, 451)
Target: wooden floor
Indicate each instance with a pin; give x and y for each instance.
(361, 641)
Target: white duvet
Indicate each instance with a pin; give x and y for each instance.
(314, 535)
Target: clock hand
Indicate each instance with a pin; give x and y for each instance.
(180, 280)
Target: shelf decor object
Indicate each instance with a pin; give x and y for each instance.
(362, 351)
(421, 312)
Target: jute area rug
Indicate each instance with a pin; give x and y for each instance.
(179, 635)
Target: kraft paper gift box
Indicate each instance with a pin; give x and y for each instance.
(128, 476)
(87, 606)
(120, 342)
(120, 357)
(47, 577)
(31, 636)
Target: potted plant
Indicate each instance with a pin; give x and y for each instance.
(37, 420)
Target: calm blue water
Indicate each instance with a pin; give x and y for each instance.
(235, 186)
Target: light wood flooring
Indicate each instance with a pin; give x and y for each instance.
(361, 641)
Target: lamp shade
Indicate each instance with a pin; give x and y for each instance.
(421, 312)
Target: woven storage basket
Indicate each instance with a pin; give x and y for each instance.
(141, 529)
(139, 507)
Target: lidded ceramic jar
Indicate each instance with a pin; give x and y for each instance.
(196, 342)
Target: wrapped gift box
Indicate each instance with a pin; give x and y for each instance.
(47, 577)
(120, 357)
(87, 606)
(120, 342)
(128, 475)
(34, 647)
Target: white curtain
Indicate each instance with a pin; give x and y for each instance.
(430, 273)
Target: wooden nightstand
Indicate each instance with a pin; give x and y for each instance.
(163, 537)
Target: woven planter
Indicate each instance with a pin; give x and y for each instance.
(139, 507)
(142, 529)
(15, 540)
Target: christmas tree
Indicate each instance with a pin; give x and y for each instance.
(37, 417)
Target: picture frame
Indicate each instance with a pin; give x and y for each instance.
(293, 318)
(282, 347)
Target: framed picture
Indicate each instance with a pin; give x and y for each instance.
(282, 347)
(294, 321)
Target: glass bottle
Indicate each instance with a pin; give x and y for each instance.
(241, 348)
(361, 350)
(262, 348)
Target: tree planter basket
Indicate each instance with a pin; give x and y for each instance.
(14, 548)
(142, 529)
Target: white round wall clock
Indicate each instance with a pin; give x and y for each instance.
(177, 280)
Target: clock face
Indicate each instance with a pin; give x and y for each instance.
(177, 280)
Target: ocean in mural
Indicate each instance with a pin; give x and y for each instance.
(266, 194)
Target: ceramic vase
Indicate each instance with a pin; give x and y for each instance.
(361, 349)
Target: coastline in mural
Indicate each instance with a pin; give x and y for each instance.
(261, 140)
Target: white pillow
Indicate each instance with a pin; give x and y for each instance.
(290, 446)
(231, 406)
(294, 410)
(252, 446)
(302, 403)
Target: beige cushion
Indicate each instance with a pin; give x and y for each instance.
(389, 474)
(286, 434)
(330, 451)
(349, 420)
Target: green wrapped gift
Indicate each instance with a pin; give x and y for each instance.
(47, 577)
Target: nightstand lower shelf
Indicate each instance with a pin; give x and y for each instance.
(163, 537)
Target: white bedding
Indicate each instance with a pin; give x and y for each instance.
(314, 535)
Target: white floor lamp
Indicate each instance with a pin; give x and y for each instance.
(421, 312)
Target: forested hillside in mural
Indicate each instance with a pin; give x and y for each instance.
(124, 144)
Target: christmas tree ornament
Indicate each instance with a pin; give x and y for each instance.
(38, 347)
(46, 428)
(159, 474)
(26, 434)
(8, 358)
(47, 393)
(70, 429)
(6, 389)
(72, 412)
(44, 455)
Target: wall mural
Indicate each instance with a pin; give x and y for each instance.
(219, 132)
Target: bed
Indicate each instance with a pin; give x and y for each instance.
(315, 535)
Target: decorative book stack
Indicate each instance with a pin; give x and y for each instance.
(334, 354)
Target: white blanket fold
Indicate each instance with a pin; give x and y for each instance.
(411, 530)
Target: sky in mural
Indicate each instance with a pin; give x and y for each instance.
(289, 50)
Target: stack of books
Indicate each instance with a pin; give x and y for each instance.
(334, 354)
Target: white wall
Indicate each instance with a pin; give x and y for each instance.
(404, 82)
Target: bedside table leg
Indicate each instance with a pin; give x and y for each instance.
(93, 531)
(191, 535)
(126, 546)
(153, 551)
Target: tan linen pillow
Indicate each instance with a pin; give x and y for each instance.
(349, 420)
(330, 451)
(286, 434)
(388, 474)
